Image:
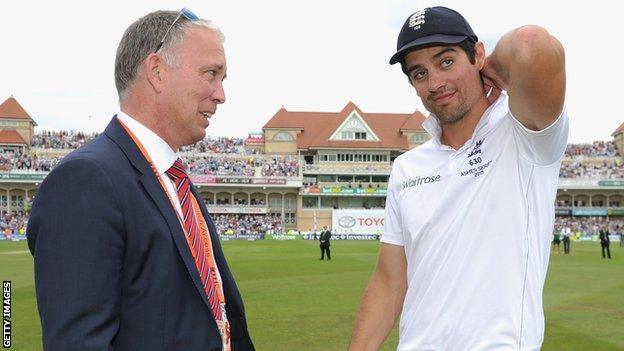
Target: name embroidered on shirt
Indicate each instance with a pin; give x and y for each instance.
(421, 180)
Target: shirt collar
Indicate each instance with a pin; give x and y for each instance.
(159, 151)
(432, 124)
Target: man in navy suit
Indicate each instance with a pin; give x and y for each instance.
(121, 245)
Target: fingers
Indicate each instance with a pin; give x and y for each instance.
(491, 88)
(494, 94)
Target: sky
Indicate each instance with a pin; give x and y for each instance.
(57, 57)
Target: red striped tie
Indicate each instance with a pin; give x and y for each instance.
(207, 274)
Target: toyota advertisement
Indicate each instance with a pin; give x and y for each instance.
(357, 221)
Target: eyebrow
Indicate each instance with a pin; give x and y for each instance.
(435, 57)
(211, 67)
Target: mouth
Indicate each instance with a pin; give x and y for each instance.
(207, 115)
(443, 98)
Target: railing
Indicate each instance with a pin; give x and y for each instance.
(209, 179)
(242, 209)
(585, 183)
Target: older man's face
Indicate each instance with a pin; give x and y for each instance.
(194, 88)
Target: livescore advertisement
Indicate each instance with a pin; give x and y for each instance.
(357, 221)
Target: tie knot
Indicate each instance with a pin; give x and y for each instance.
(177, 171)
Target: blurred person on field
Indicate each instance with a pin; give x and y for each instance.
(556, 242)
(567, 233)
(324, 242)
(605, 242)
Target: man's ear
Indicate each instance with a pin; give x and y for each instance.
(479, 55)
(154, 70)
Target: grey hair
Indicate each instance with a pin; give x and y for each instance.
(142, 38)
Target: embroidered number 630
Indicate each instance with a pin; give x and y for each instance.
(475, 161)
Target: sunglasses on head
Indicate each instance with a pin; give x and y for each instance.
(188, 14)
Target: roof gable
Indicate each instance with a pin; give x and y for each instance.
(317, 128)
(414, 122)
(10, 108)
(618, 130)
(351, 125)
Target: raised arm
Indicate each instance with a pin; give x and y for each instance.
(529, 64)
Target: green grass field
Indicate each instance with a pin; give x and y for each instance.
(295, 302)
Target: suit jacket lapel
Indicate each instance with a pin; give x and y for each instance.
(153, 188)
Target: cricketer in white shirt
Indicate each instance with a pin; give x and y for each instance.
(469, 214)
(476, 225)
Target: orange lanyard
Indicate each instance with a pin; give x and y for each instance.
(205, 235)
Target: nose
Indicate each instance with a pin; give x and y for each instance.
(436, 82)
(218, 96)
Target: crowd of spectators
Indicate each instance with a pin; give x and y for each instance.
(281, 167)
(587, 226)
(237, 202)
(242, 166)
(221, 166)
(592, 168)
(598, 160)
(595, 149)
(10, 161)
(73, 140)
(13, 224)
(232, 145)
(16, 222)
(256, 202)
(198, 164)
(61, 139)
(278, 166)
(219, 145)
(230, 224)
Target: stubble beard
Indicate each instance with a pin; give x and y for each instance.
(451, 117)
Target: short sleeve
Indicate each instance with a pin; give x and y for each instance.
(393, 228)
(546, 146)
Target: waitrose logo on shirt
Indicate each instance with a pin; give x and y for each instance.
(421, 180)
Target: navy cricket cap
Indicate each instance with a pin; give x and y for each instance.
(430, 26)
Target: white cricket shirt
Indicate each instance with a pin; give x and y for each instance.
(476, 225)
